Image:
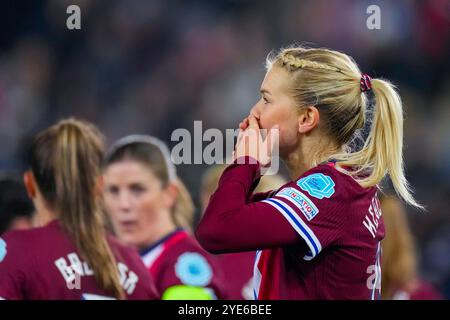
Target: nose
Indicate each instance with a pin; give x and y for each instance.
(256, 110)
(124, 202)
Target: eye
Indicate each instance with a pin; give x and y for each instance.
(137, 189)
(114, 190)
(265, 100)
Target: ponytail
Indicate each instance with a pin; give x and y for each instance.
(383, 150)
(66, 161)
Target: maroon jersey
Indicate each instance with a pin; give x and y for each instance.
(238, 270)
(417, 290)
(43, 263)
(178, 259)
(317, 237)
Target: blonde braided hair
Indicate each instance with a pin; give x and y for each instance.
(295, 62)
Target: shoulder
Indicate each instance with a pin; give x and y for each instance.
(320, 182)
(322, 189)
(192, 264)
(191, 246)
(17, 249)
(24, 249)
(318, 187)
(325, 182)
(25, 239)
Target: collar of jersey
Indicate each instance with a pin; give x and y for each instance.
(160, 241)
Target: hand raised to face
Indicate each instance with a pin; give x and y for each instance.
(255, 142)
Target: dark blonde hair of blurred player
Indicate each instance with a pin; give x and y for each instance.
(399, 262)
(64, 179)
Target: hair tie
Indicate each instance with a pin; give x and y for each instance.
(366, 83)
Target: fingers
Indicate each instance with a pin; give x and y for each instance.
(253, 122)
(243, 124)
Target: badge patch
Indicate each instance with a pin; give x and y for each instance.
(2, 249)
(317, 185)
(301, 201)
(193, 269)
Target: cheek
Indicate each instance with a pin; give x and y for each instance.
(112, 208)
(147, 210)
(285, 119)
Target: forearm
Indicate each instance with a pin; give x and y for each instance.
(232, 224)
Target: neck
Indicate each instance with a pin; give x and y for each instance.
(297, 164)
(162, 229)
(43, 216)
(307, 154)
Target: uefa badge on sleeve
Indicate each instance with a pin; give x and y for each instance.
(317, 185)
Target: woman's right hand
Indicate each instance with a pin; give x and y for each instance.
(244, 124)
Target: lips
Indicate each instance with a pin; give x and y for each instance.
(128, 225)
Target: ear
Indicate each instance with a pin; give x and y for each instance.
(99, 185)
(308, 119)
(170, 195)
(30, 184)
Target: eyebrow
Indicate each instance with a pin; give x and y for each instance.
(265, 91)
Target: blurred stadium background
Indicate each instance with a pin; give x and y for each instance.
(152, 66)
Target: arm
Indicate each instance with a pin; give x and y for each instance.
(260, 196)
(230, 224)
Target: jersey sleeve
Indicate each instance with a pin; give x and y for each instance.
(232, 223)
(12, 273)
(262, 195)
(314, 208)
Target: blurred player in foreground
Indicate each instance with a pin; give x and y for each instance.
(151, 210)
(400, 280)
(319, 236)
(237, 267)
(69, 256)
(16, 209)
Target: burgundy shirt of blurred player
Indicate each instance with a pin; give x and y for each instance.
(42, 263)
(417, 290)
(177, 262)
(317, 237)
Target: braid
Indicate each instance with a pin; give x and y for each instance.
(292, 61)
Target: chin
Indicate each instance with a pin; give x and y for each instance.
(128, 239)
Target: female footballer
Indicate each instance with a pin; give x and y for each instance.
(69, 256)
(151, 210)
(318, 236)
